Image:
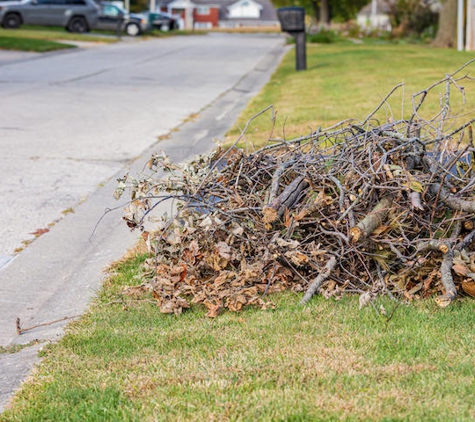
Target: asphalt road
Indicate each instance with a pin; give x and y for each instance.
(69, 121)
(70, 124)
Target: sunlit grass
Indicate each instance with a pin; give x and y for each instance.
(33, 45)
(344, 81)
(43, 39)
(124, 361)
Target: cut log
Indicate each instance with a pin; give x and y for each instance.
(372, 221)
(290, 195)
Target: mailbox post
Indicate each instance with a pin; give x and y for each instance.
(292, 20)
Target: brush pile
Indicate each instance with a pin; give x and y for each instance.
(368, 208)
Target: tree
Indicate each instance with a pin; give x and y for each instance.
(447, 25)
(412, 17)
(323, 11)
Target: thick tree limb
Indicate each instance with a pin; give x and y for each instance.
(285, 200)
(447, 280)
(434, 245)
(467, 240)
(372, 221)
(451, 200)
(276, 179)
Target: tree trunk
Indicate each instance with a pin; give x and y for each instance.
(446, 34)
(316, 11)
(325, 13)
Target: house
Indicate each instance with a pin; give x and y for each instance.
(207, 14)
(375, 15)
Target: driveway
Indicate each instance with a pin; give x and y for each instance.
(71, 123)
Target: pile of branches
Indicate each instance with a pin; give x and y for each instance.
(368, 208)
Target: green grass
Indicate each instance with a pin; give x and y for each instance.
(34, 45)
(124, 361)
(344, 80)
(43, 39)
(327, 361)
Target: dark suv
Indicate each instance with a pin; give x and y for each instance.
(112, 15)
(74, 15)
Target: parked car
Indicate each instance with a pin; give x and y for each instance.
(111, 14)
(74, 15)
(162, 20)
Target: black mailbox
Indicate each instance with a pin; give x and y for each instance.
(292, 20)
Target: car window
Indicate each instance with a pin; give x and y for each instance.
(76, 2)
(42, 2)
(110, 10)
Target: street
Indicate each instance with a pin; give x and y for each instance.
(70, 121)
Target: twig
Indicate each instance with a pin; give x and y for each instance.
(21, 330)
(382, 103)
(317, 281)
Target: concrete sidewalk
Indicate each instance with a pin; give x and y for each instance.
(55, 277)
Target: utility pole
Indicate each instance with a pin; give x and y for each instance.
(374, 9)
(460, 28)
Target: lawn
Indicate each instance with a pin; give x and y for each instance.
(43, 39)
(346, 80)
(325, 361)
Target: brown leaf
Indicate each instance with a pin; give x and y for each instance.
(379, 230)
(175, 306)
(134, 291)
(223, 277)
(213, 310)
(468, 286)
(287, 218)
(39, 232)
(223, 250)
(298, 258)
(270, 215)
(460, 269)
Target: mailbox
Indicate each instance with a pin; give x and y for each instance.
(292, 20)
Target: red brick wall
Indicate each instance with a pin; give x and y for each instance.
(213, 16)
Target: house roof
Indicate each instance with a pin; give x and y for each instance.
(268, 12)
(239, 3)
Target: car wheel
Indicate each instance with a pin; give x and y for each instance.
(165, 27)
(11, 21)
(132, 29)
(78, 24)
